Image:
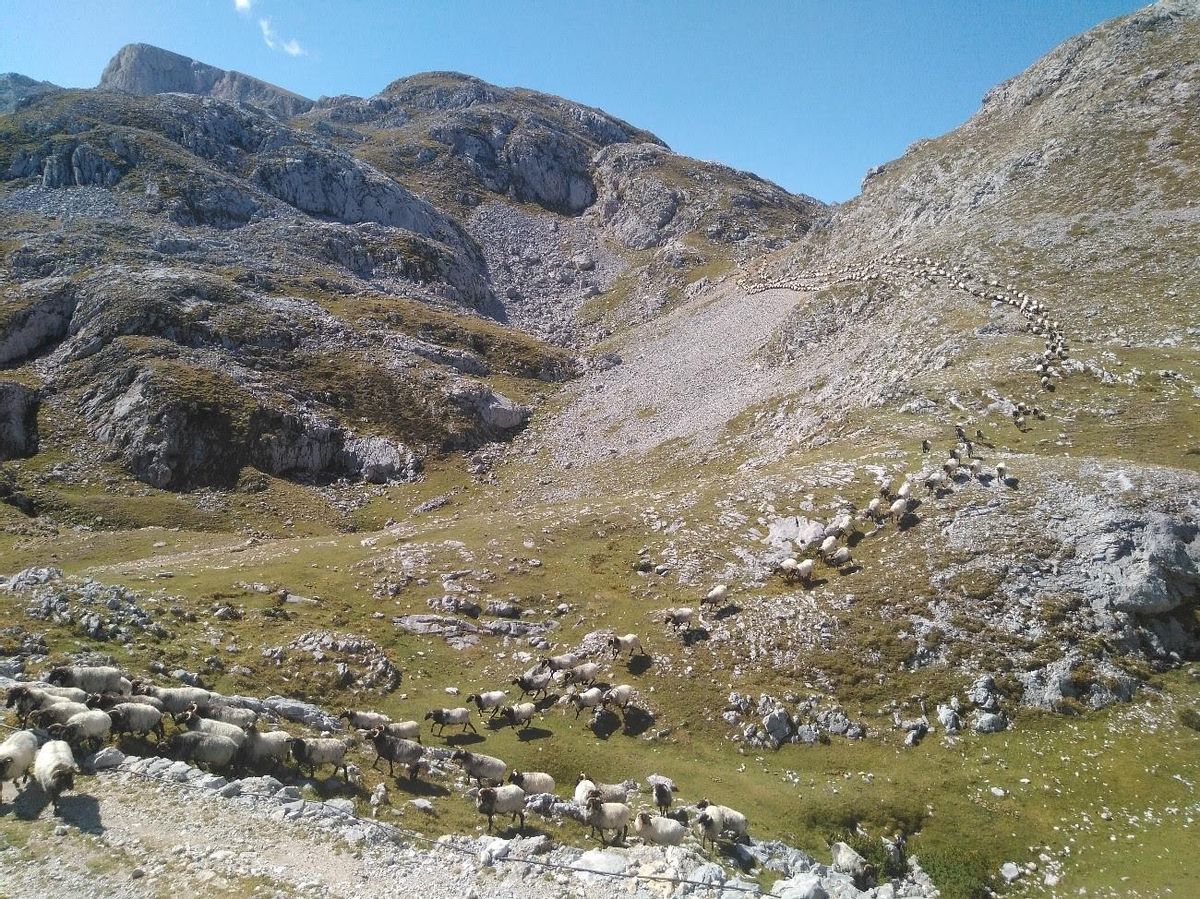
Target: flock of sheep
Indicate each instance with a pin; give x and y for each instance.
(81, 708)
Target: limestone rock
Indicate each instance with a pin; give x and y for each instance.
(18, 420)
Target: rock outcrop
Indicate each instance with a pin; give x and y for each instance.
(15, 89)
(18, 420)
(143, 69)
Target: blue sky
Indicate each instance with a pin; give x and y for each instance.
(809, 94)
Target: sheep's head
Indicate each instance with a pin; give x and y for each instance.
(516, 778)
(375, 733)
(459, 755)
(702, 804)
(56, 731)
(474, 697)
(704, 820)
(487, 795)
(643, 818)
(432, 713)
(59, 677)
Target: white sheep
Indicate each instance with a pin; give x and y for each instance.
(99, 679)
(583, 786)
(506, 800)
(274, 746)
(588, 699)
(629, 643)
(608, 792)
(405, 730)
(1001, 471)
(898, 509)
(444, 718)
(828, 545)
(532, 782)
(54, 769)
(534, 681)
(492, 701)
(229, 714)
(560, 662)
(620, 696)
(318, 752)
(718, 819)
(136, 718)
(680, 618)
(480, 767)
(602, 816)
(16, 756)
(841, 558)
(719, 593)
(90, 727)
(195, 721)
(521, 713)
(657, 830)
(394, 749)
(365, 720)
(580, 674)
(174, 699)
(57, 712)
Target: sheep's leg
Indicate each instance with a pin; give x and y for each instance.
(470, 725)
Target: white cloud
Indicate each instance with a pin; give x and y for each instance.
(291, 47)
(243, 5)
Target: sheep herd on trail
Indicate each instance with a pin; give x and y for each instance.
(80, 709)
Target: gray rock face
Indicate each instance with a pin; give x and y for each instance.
(494, 409)
(44, 319)
(80, 166)
(18, 420)
(15, 89)
(143, 69)
(379, 460)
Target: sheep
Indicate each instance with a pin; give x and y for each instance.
(898, 509)
(205, 750)
(664, 795)
(92, 680)
(580, 674)
(719, 593)
(976, 467)
(871, 512)
(628, 643)
(608, 792)
(405, 730)
(841, 558)
(658, 831)
(26, 699)
(395, 749)
(480, 767)
(935, 482)
(522, 713)
(54, 769)
(828, 545)
(602, 816)
(904, 491)
(107, 701)
(926, 446)
(620, 696)
(503, 800)
(246, 719)
(718, 819)
(560, 663)
(89, 727)
(365, 720)
(57, 713)
(1001, 471)
(136, 718)
(273, 745)
(195, 721)
(680, 618)
(16, 756)
(174, 699)
(493, 700)
(532, 782)
(950, 466)
(588, 699)
(534, 681)
(443, 717)
(318, 752)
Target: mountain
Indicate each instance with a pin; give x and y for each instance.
(15, 88)
(143, 70)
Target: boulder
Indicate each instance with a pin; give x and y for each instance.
(847, 861)
(801, 886)
(990, 723)
(302, 712)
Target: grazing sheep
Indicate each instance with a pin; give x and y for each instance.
(54, 769)
(480, 767)
(16, 756)
(534, 681)
(25, 700)
(718, 819)
(195, 721)
(629, 643)
(588, 699)
(365, 720)
(274, 746)
(1001, 471)
(246, 719)
(91, 680)
(405, 730)
(658, 831)
(505, 800)
(664, 795)
(561, 662)
(87, 728)
(492, 700)
(107, 701)
(320, 751)
(841, 558)
(828, 545)
(451, 717)
(719, 593)
(904, 491)
(532, 782)
(580, 674)
(898, 509)
(608, 792)
(210, 751)
(950, 466)
(522, 713)
(871, 512)
(394, 749)
(136, 718)
(583, 786)
(935, 482)
(976, 467)
(602, 816)
(680, 618)
(620, 696)
(174, 699)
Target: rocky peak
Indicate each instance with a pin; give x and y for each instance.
(14, 88)
(144, 69)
